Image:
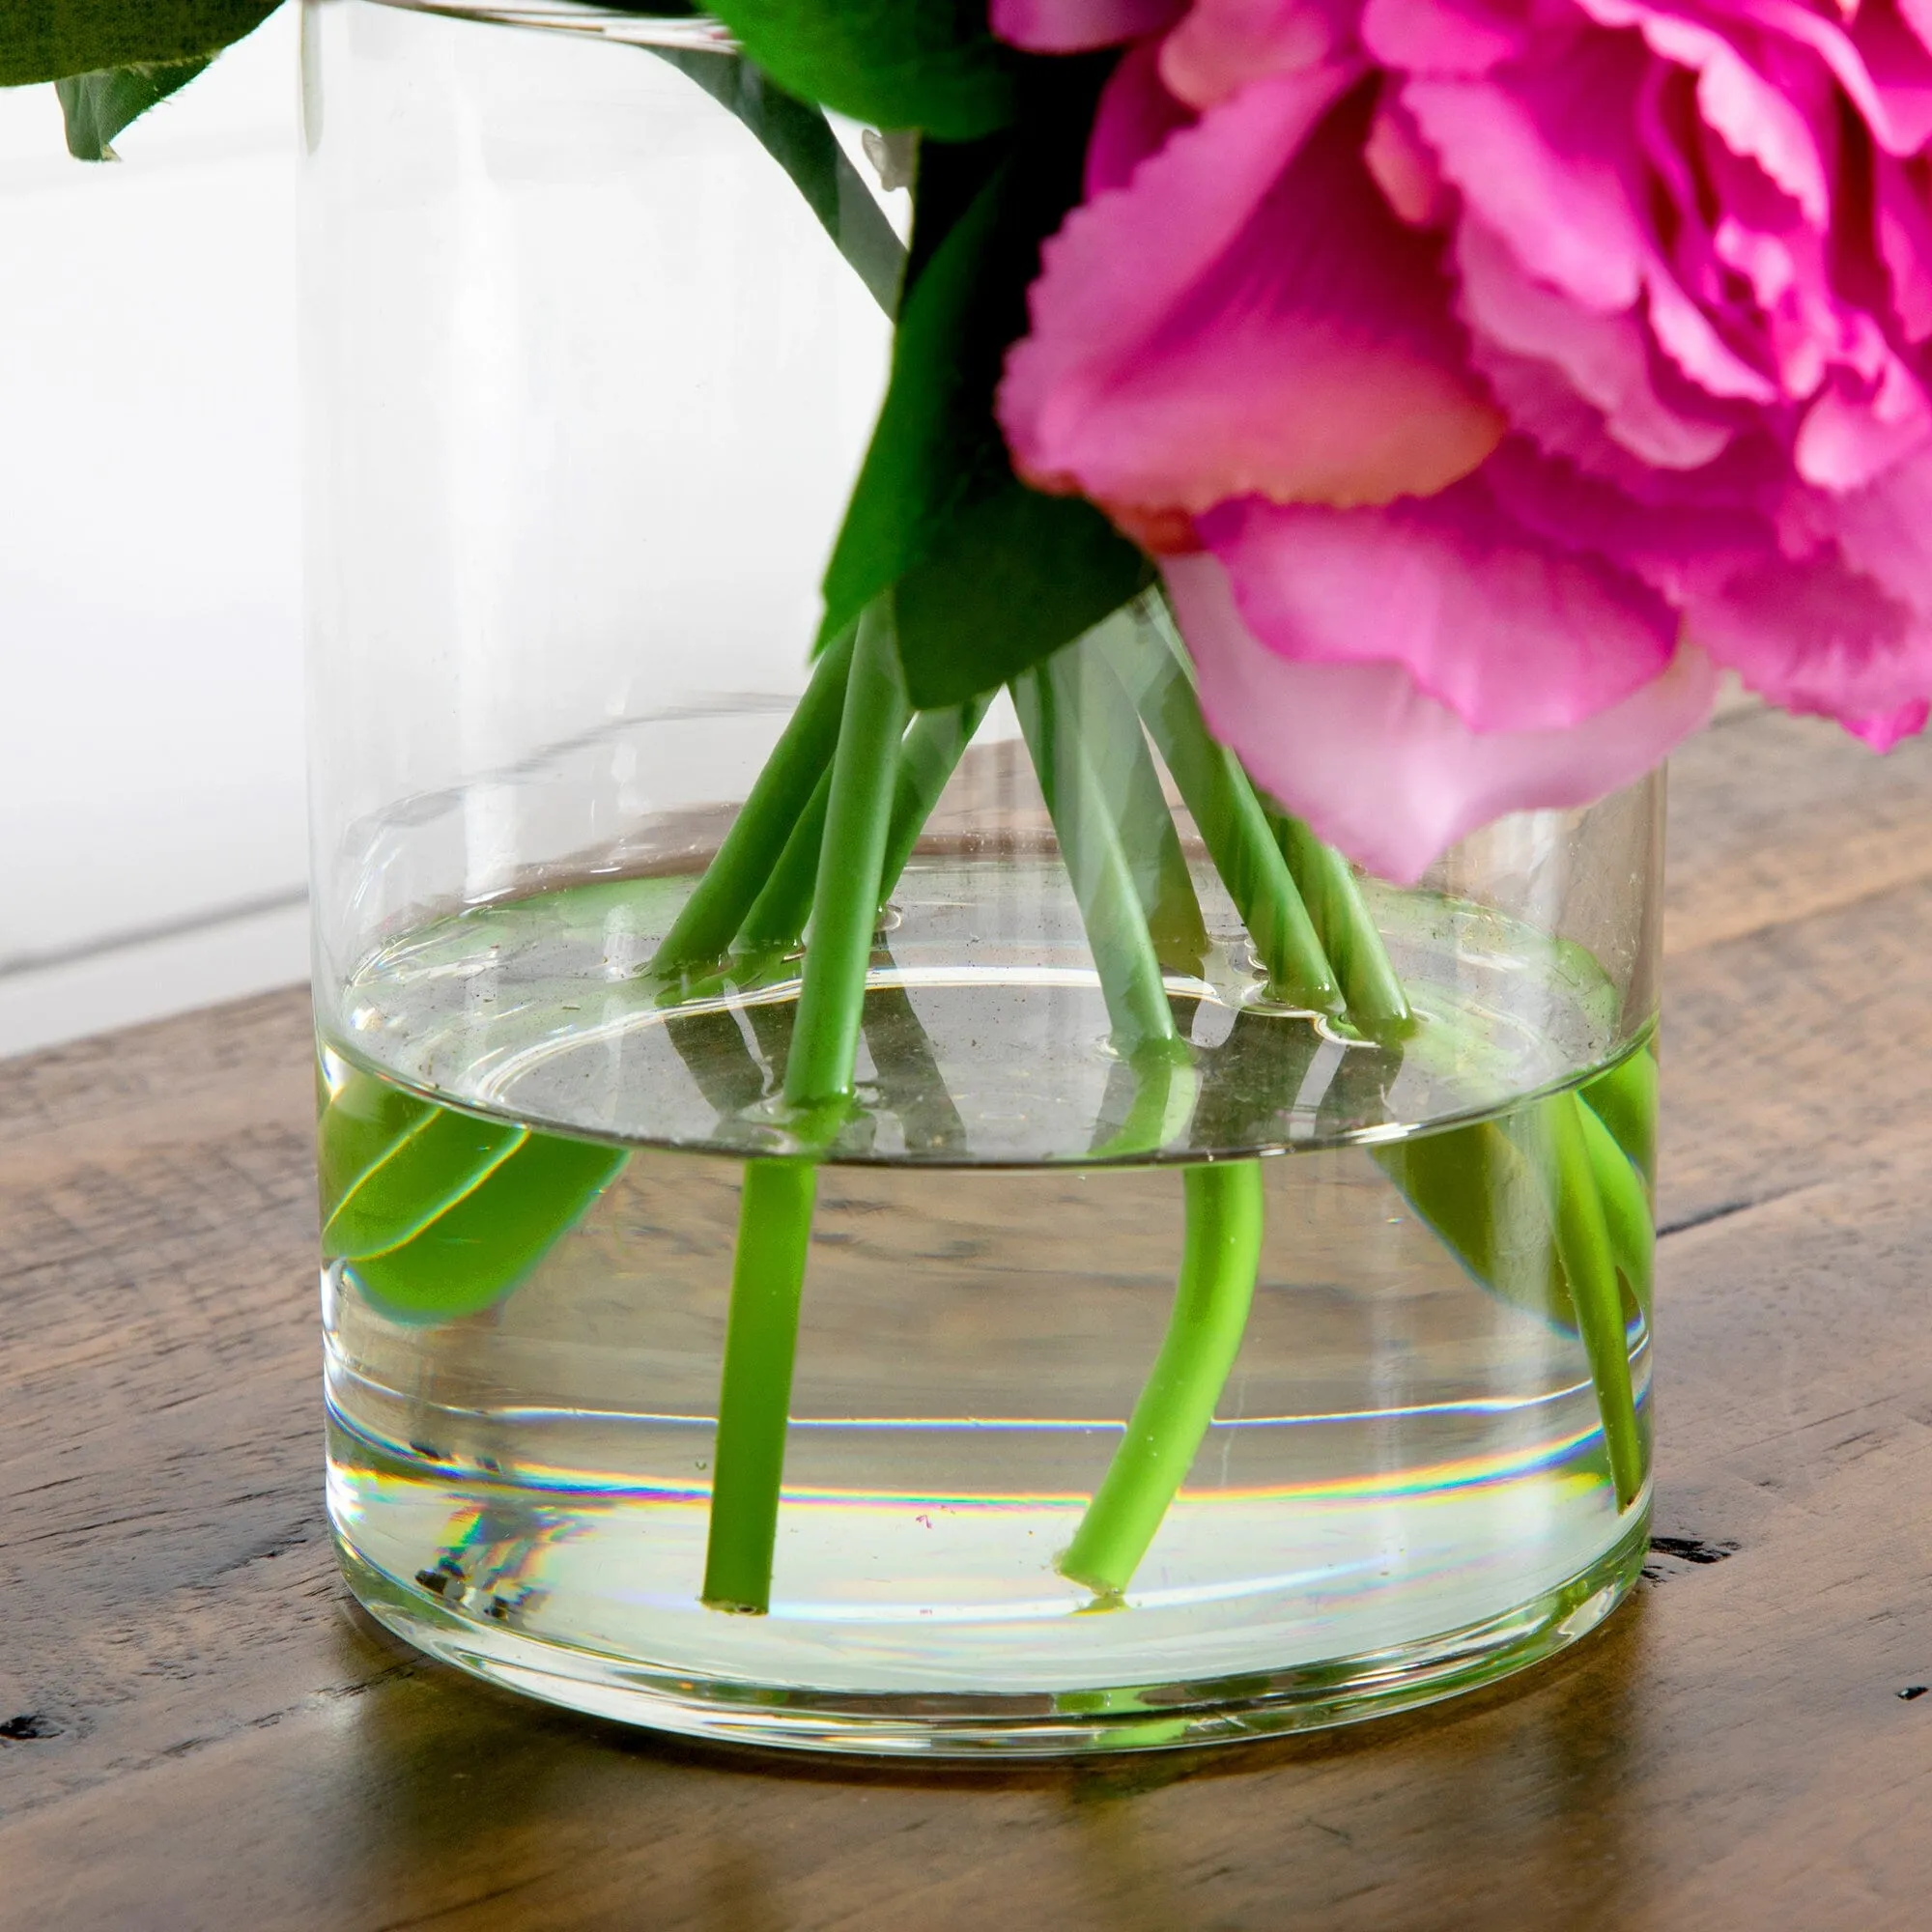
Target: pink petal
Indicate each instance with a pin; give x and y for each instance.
(1817, 637)
(1137, 116)
(1223, 44)
(1884, 70)
(1883, 531)
(1904, 223)
(1073, 26)
(1883, 732)
(1247, 316)
(1507, 632)
(1565, 211)
(1403, 169)
(1848, 441)
(1442, 36)
(1605, 357)
(1757, 119)
(1917, 16)
(1387, 774)
(1551, 163)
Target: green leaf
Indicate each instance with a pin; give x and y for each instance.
(926, 63)
(98, 105)
(799, 138)
(992, 576)
(1016, 575)
(55, 39)
(438, 1162)
(483, 1245)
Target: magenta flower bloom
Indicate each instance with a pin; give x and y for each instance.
(1487, 373)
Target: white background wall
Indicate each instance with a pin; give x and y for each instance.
(152, 849)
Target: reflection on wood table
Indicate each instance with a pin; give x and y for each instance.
(197, 1730)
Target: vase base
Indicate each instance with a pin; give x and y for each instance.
(1154, 1717)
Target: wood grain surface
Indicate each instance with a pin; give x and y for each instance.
(198, 1730)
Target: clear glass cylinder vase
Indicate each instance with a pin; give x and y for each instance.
(1295, 1372)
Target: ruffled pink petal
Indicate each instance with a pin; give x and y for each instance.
(1904, 232)
(1817, 637)
(1551, 162)
(1444, 37)
(1221, 45)
(1883, 531)
(1918, 17)
(1507, 632)
(1385, 772)
(1886, 731)
(1137, 117)
(1901, 72)
(1885, 71)
(1709, 530)
(1555, 197)
(1605, 359)
(1247, 316)
(1848, 440)
(1755, 118)
(1401, 165)
(1073, 26)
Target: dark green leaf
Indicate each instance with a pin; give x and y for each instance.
(98, 105)
(926, 63)
(798, 137)
(1015, 576)
(54, 40)
(992, 576)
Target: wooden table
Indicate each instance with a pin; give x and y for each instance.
(197, 1729)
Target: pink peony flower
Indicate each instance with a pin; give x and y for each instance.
(1490, 372)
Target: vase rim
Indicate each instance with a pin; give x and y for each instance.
(691, 33)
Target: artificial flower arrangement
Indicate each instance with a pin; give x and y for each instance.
(1393, 413)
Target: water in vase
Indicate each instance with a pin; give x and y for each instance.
(531, 1172)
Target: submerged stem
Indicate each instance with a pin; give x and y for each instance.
(1221, 1257)
(755, 1401)
(775, 1210)
(1583, 1246)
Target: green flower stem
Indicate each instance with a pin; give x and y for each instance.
(779, 913)
(1103, 882)
(1376, 1001)
(1162, 1089)
(1583, 1246)
(1625, 1100)
(1086, 687)
(927, 756)
(1230, 822)
(754, 1401)
(775, 1211)
(1221, 1253)
(928, 760)
(845, 907)
(712, 915)
(1221, 1257)
(1627, 1218)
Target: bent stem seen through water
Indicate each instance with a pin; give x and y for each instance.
(841, 805)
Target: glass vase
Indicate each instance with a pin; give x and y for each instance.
(1292, 1376)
